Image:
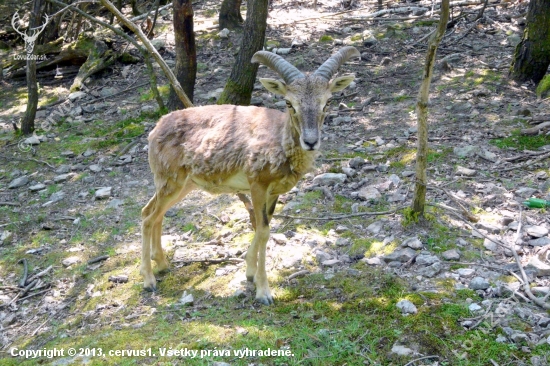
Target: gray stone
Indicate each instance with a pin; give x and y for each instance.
(474, 307)
(369, 194)
(322, 256)
(33, 140)
(519, 337)
(401, 350)
(77, 95)
(115, 203)
(492, 228)
(430, 271)
(372, 261)
(540, 242)
(95, 168)
(5, 237)
(37, 187)
(407, 173)
(239, 293)
(460, 170)
(426, 259)
(539, 267)
(465, 272)
(108, 91)
(536, 231)
(329, 179)
(487, 155)
(375, 227)
(67, 262)
(395, 180)
(466, 151)
(331, 262)
(88, 152)
(63, 169)
(479, 283)
(18, 182)
(451, 255)
(57, 196)
(349, 171)
(357, 162)
(379, 141)
(413, 243)
(186, 299)
(525, 192)
(103, 192)
(147, 108)
(158, 43)
(401, 255)
(490, 245)
(406, 307)
(61, 178)
(67, 154)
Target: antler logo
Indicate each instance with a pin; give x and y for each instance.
(28, 38)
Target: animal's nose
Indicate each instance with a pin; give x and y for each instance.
(310, 143)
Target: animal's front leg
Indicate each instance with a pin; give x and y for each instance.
(255, 258)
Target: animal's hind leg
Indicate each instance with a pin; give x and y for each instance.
(157, 254)
(152, 215)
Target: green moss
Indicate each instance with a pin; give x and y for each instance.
(326, 38)
(543, 88)
(522, 142)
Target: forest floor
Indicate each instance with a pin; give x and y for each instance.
(349, 289)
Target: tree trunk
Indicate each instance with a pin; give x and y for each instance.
(532, 56)
(27, 125)
(419, 199)
(230, 14)
(238, 89)
(186, 52)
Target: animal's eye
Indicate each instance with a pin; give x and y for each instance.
(289, 106)
(327, 105)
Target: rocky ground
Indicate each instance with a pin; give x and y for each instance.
(73, 192)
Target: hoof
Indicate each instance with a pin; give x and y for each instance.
(150, 282)
(265, 300)
(163, 266)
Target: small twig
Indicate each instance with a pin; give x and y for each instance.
(98, 259)
(522, 165)
(15, 204)
(125, 149)
(298, 274)
(40, 274)
(418, 359)
(23, 281)
(210, 261)
(34, 294)
(525, 281)
(359, 214)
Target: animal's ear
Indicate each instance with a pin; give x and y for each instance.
(341, 83)
(275, 86)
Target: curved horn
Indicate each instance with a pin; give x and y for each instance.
(329, 68)
(278, 64)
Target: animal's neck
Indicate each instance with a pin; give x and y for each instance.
(301, 161)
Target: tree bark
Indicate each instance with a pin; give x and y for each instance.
(230, 14)
(186, 52)
(419, 199)
(238, 89)
(27, 125)
(169, 74)
(532, 56)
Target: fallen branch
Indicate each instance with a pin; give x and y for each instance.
(210, 261)
(525, 282)
(339, 217)
(298, 274)
(418, 359)
(535, 130)
(149, 12)
(15, 204)
(40, 274)
(522, 165)
(23, 281)
(167, 71)
(379, 13)
(463, 210)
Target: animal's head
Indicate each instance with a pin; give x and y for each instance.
(307, 96)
